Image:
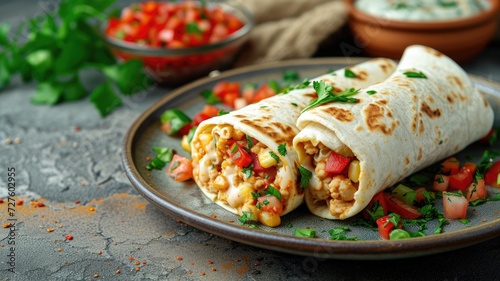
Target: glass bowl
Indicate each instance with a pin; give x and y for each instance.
(175, 66)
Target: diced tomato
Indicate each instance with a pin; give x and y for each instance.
(441, 182)
(185, 129)
(270, 204)
(180, 168)
(491, 176)
(223, 88)
(200, 117)
(210, 110)
(471, 166)
(230, 98)
(398, 207)
(385, 226)
(248, 93)
(263, 92)
(476, 190)
(450, 166)
(455, 206)
(240, 156)
(336, 163)
(461, 181)
(380, 199)
(256, 164)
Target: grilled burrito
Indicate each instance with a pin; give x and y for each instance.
(244, 161)
(427, 110)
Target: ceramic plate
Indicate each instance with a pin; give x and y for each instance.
(186, 202)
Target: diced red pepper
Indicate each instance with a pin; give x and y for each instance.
(336, 163)
(491, 176)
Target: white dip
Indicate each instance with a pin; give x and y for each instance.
(422, 10)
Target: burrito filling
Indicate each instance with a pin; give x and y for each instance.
(243, 173)
(335, 177)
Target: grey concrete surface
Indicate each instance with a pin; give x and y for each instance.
(118, 235)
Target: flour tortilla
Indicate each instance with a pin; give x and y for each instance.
(272, 123)
(407, 125)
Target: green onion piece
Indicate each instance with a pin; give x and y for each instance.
(412, 74)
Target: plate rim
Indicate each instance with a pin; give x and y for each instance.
(316, 247)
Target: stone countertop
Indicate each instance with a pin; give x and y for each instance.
(68, 158)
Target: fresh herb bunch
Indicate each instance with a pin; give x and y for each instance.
(58, 47)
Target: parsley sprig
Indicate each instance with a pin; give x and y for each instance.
(326, 95)
(60, 46)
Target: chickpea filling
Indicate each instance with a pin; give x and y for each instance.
(336, 190)
(241, 172)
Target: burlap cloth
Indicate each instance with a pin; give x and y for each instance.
(290, 29)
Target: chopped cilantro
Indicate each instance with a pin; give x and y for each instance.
(274, 156)
(249, 141)
(349, 73)
(371, 92)
(210, 97)
(163, 156)
(412, 74)
(304, 232)
(282, 149)
(272, 191)
(248, 171)
(305, 176)
(338, 233)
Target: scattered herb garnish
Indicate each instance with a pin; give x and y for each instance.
(302, 85)
(248, 171)
(326, 94)
(305, 232)
(249, 141)
(294, 104)
(290, 76)
(349, 73)
(163, 156)
(246, 217)
(193, 28)
(305, 176)
(338, 233)
(412, 74)
(371, 92)
(274, 156)
(282, 149)
(272, 191)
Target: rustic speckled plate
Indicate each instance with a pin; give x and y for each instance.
(186, 202)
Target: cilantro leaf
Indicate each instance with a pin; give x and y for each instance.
(282, 149)
(413, 74)
(4, 34)
(47, 93)
(349, 73)
(105, 99)
(210, 97)
(338, 233)
(272, 191)
(326, 95)
(274, 156)
(305, 176)
(371, 92)
(163, 156)
(192, 28)
(302, 85)
(249, 141)
(290, 76)
(248, 171)
(129, 76)
(4, 72)
(304, 232)
(73, 90)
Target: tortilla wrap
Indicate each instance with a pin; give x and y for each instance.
(269, 124)
(396, 128)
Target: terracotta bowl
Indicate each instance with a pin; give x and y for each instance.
(460, 39)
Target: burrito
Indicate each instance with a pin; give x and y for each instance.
(428, 109)
(244, 160)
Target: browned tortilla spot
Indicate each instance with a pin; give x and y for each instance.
(421, 128)
(457, 148)
(449, 99)
(239, 116)
(407, 159)
(485, 101)
(382, 102)
(373, 119)
(420, 154)
(359, 128)
(414, 123)
(260, 127)
(433, 52)
(384, 65)
(455, 80)
(311, 95)
(430, 99)
(340, 114)
(337, 90)
(425, 108)
(362, 75)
